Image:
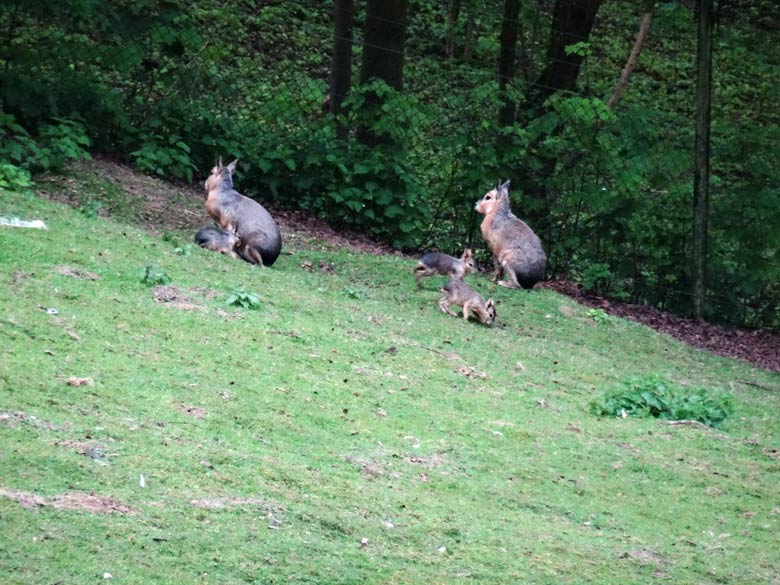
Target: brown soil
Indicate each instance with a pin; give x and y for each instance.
(81, 501)
(165, 207)
(758, 347)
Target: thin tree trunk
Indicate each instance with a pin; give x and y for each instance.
(701, 173)
(506, 60)
(453, 15)
(341, 65)
(383, 52)
(644, 26)
(470, 40)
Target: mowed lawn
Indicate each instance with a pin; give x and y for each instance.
(344, 430)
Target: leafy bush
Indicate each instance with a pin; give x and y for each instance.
(240, 297)
(657, 397)
(56, 142)
(168, 158)
(153, 275)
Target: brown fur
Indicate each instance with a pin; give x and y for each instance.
(457, 292)
(213, 238)
(260, 239)
(516, 248)
(438, 263)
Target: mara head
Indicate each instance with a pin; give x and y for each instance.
(494, 199)
(490, 312)
(468, 261)
(221, 177)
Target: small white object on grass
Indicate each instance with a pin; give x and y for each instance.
(16, 222)
(142, 481)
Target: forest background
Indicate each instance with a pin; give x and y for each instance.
(393, 117)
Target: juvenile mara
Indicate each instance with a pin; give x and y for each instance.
(437, 263)
(516, 248)
(457, 292)
(217, 240)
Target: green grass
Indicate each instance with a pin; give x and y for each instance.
(346, 407)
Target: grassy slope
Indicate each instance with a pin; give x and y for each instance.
(342, 410)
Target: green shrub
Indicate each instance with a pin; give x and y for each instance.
(657, 397)
(153, 275)
(240, 297)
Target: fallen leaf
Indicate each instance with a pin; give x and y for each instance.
(75, 381)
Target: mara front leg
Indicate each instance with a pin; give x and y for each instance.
(496, 269)
(467, 307)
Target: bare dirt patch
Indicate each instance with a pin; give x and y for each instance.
(16, 418)
(221, 503)
(429, 461)
(193, 411)
(756, 346)
(94, 452)
(182, 298)
(74, 272)
(79, 501)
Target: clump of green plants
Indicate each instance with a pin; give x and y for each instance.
(598, 315)
(153, 275)
(240, 297)
(22, 153)
(657, 397)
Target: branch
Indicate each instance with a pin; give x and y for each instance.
(644, 26)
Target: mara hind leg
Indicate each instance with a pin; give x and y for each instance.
(249, 254)
(509, 272)
(444, 305)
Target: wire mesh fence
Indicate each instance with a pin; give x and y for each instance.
(172, 86)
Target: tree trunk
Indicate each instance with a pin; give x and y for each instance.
(383, 52)
(341, 64)
(506, 61)
(572, 23)
(644, 26)
(453, 15)
(470, 37)
(701, 173)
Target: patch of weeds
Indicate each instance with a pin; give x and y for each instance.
(355, 293)
(91, 209)
(153, 275)
(657, 397)
(185, 250)
(171, 238)
(242, 298)
(598, 315)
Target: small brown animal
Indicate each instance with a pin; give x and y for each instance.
(457, 292)
(516, 248)
(217, 240)
(260, 239)
(437, 263)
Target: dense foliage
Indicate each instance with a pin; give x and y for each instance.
(657, 397)
(171, 85)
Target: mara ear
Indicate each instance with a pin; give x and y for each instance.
(504, 187)
(219, 163)
(467, 253)
(232, 166)
(490, 303)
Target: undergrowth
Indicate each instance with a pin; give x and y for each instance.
(657, 397)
